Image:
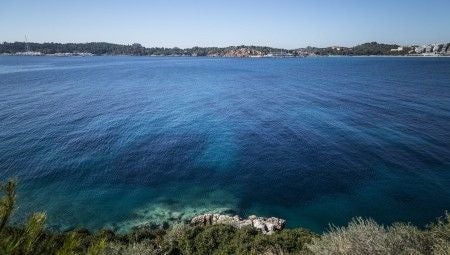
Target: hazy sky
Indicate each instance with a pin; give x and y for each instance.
(277, 23)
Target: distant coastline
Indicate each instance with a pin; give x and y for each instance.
(102, 48)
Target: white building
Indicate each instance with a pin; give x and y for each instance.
(436, 48)
(419, 49)
(400, 48)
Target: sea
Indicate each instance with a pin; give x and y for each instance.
(120, 141)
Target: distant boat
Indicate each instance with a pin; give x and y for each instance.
(27, 51)
(280, 54)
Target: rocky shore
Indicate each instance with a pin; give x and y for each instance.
(267, 226)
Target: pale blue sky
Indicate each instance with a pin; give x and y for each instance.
(277, 23)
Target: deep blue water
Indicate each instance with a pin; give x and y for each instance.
(118, 141)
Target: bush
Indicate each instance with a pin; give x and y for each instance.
(142, 248)
(406, 239)
(224, 239)
(439, 233)
(359, 237)
(367, 237)
(33, 239)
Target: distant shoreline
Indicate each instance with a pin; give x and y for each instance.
(242, 51)
(250, 57)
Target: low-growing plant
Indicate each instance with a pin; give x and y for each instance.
(363, 236)
(225, 239)
(439, 234)
(7, 202)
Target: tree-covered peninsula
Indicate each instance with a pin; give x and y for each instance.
(103, 48)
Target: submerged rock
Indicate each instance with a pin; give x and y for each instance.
(265, 225)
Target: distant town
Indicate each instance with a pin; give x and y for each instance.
(102, 48)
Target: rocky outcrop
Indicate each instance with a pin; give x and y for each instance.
(265, 225)
(242, 53)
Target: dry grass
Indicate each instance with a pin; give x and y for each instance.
(365, 236)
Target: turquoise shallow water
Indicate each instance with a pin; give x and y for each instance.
(120, 141)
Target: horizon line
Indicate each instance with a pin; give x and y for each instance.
(244, 45)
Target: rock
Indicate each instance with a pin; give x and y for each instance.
(265, 225)
(274, 224)
(202, 220)
(260, 225)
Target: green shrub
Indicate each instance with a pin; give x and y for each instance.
(225, 239)
(7, 202)
(32, 239)
(142, 248)
(290, 241)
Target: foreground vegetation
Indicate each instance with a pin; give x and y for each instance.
(361, 236)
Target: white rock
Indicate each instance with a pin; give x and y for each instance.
(265, 225)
